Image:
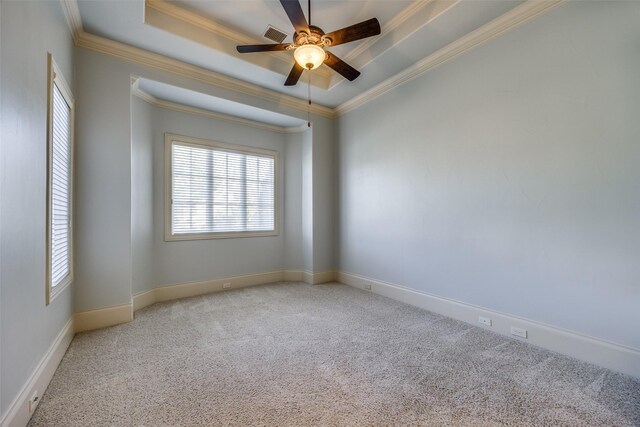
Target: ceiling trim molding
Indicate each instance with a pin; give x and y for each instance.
(218, 30)
(182, 108)
(199, 21)
(504, 23)
(437, 7)
(387, 27)
(72, 15)
(144, 57)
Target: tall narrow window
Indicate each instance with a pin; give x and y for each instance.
(59, 184)
(218, 190)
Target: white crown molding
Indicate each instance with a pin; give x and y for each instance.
(72, 15)
(387, 27)
(171, 9)
(144, 57)
(227, 38)
(398, 34)
(182, 108)
(504, 23)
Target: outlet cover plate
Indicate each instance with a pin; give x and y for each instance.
(484, 320)
(519, 332)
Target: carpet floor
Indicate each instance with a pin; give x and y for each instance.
(296, 355)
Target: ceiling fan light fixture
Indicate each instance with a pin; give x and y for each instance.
(309, 56)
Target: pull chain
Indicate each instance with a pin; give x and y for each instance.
(309, 80)
(309, 96)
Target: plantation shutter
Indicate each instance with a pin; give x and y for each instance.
(221, 191)
(60, 199)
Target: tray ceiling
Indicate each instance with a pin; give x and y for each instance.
(205, 33)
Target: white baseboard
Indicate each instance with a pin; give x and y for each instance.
(593, 350)
(293, 276)
(18, 414)
(318, 278)
(190, 289)
(103, 317)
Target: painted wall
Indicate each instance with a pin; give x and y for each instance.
(293, 245)
(324, 193)
(142, 226)
(194, 260)
(106, 266)
(103, 182)
(307, 201)
(27, 327)
(508, 178)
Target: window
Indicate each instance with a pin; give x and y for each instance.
(59, 183)
(216, 190)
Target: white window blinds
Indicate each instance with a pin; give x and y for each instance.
(60, 189)
(216, 190)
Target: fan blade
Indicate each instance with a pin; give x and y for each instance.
(250, 48)
(341, 67)
(355, 32)
(296, 15)
(294, 75)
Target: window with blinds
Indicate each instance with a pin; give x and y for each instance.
(59, 188)
(218, 190)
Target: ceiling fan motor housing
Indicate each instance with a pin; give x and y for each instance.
(315, 36)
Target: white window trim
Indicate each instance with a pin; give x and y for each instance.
(169, 138)
(55, 75)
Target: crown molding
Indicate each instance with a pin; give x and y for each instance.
(395, 31)
(387, 27)
(72, 15)
(182, 108)
(215, 30)
(193, 18)
(504, 23)
(144, 57)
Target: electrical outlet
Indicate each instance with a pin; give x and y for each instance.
(33, 402)
(519, 332)
(484, 320)
(226, 285)
(367, 287)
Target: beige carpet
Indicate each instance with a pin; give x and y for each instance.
(298, 355)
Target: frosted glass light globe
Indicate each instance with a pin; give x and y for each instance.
(309, 56)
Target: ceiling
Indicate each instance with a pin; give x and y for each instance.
(205, 33)
(180, 96)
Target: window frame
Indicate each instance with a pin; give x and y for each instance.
(169, 139)
(56, 79)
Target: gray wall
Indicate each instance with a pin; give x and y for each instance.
(508, 178)
(27, 327)
(324, 195)
(109, 237)
(142, 261)
(185, 261)
(103, 182)
(293, 246)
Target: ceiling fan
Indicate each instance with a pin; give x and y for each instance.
(309, 43)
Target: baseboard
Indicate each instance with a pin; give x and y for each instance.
(293, 276)
(103, 317)
(144, 299)
(18, 414)
(190, 289)
(593, 350)
(318, 278)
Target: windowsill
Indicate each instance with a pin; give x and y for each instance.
(214, 236)
(53, 292)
